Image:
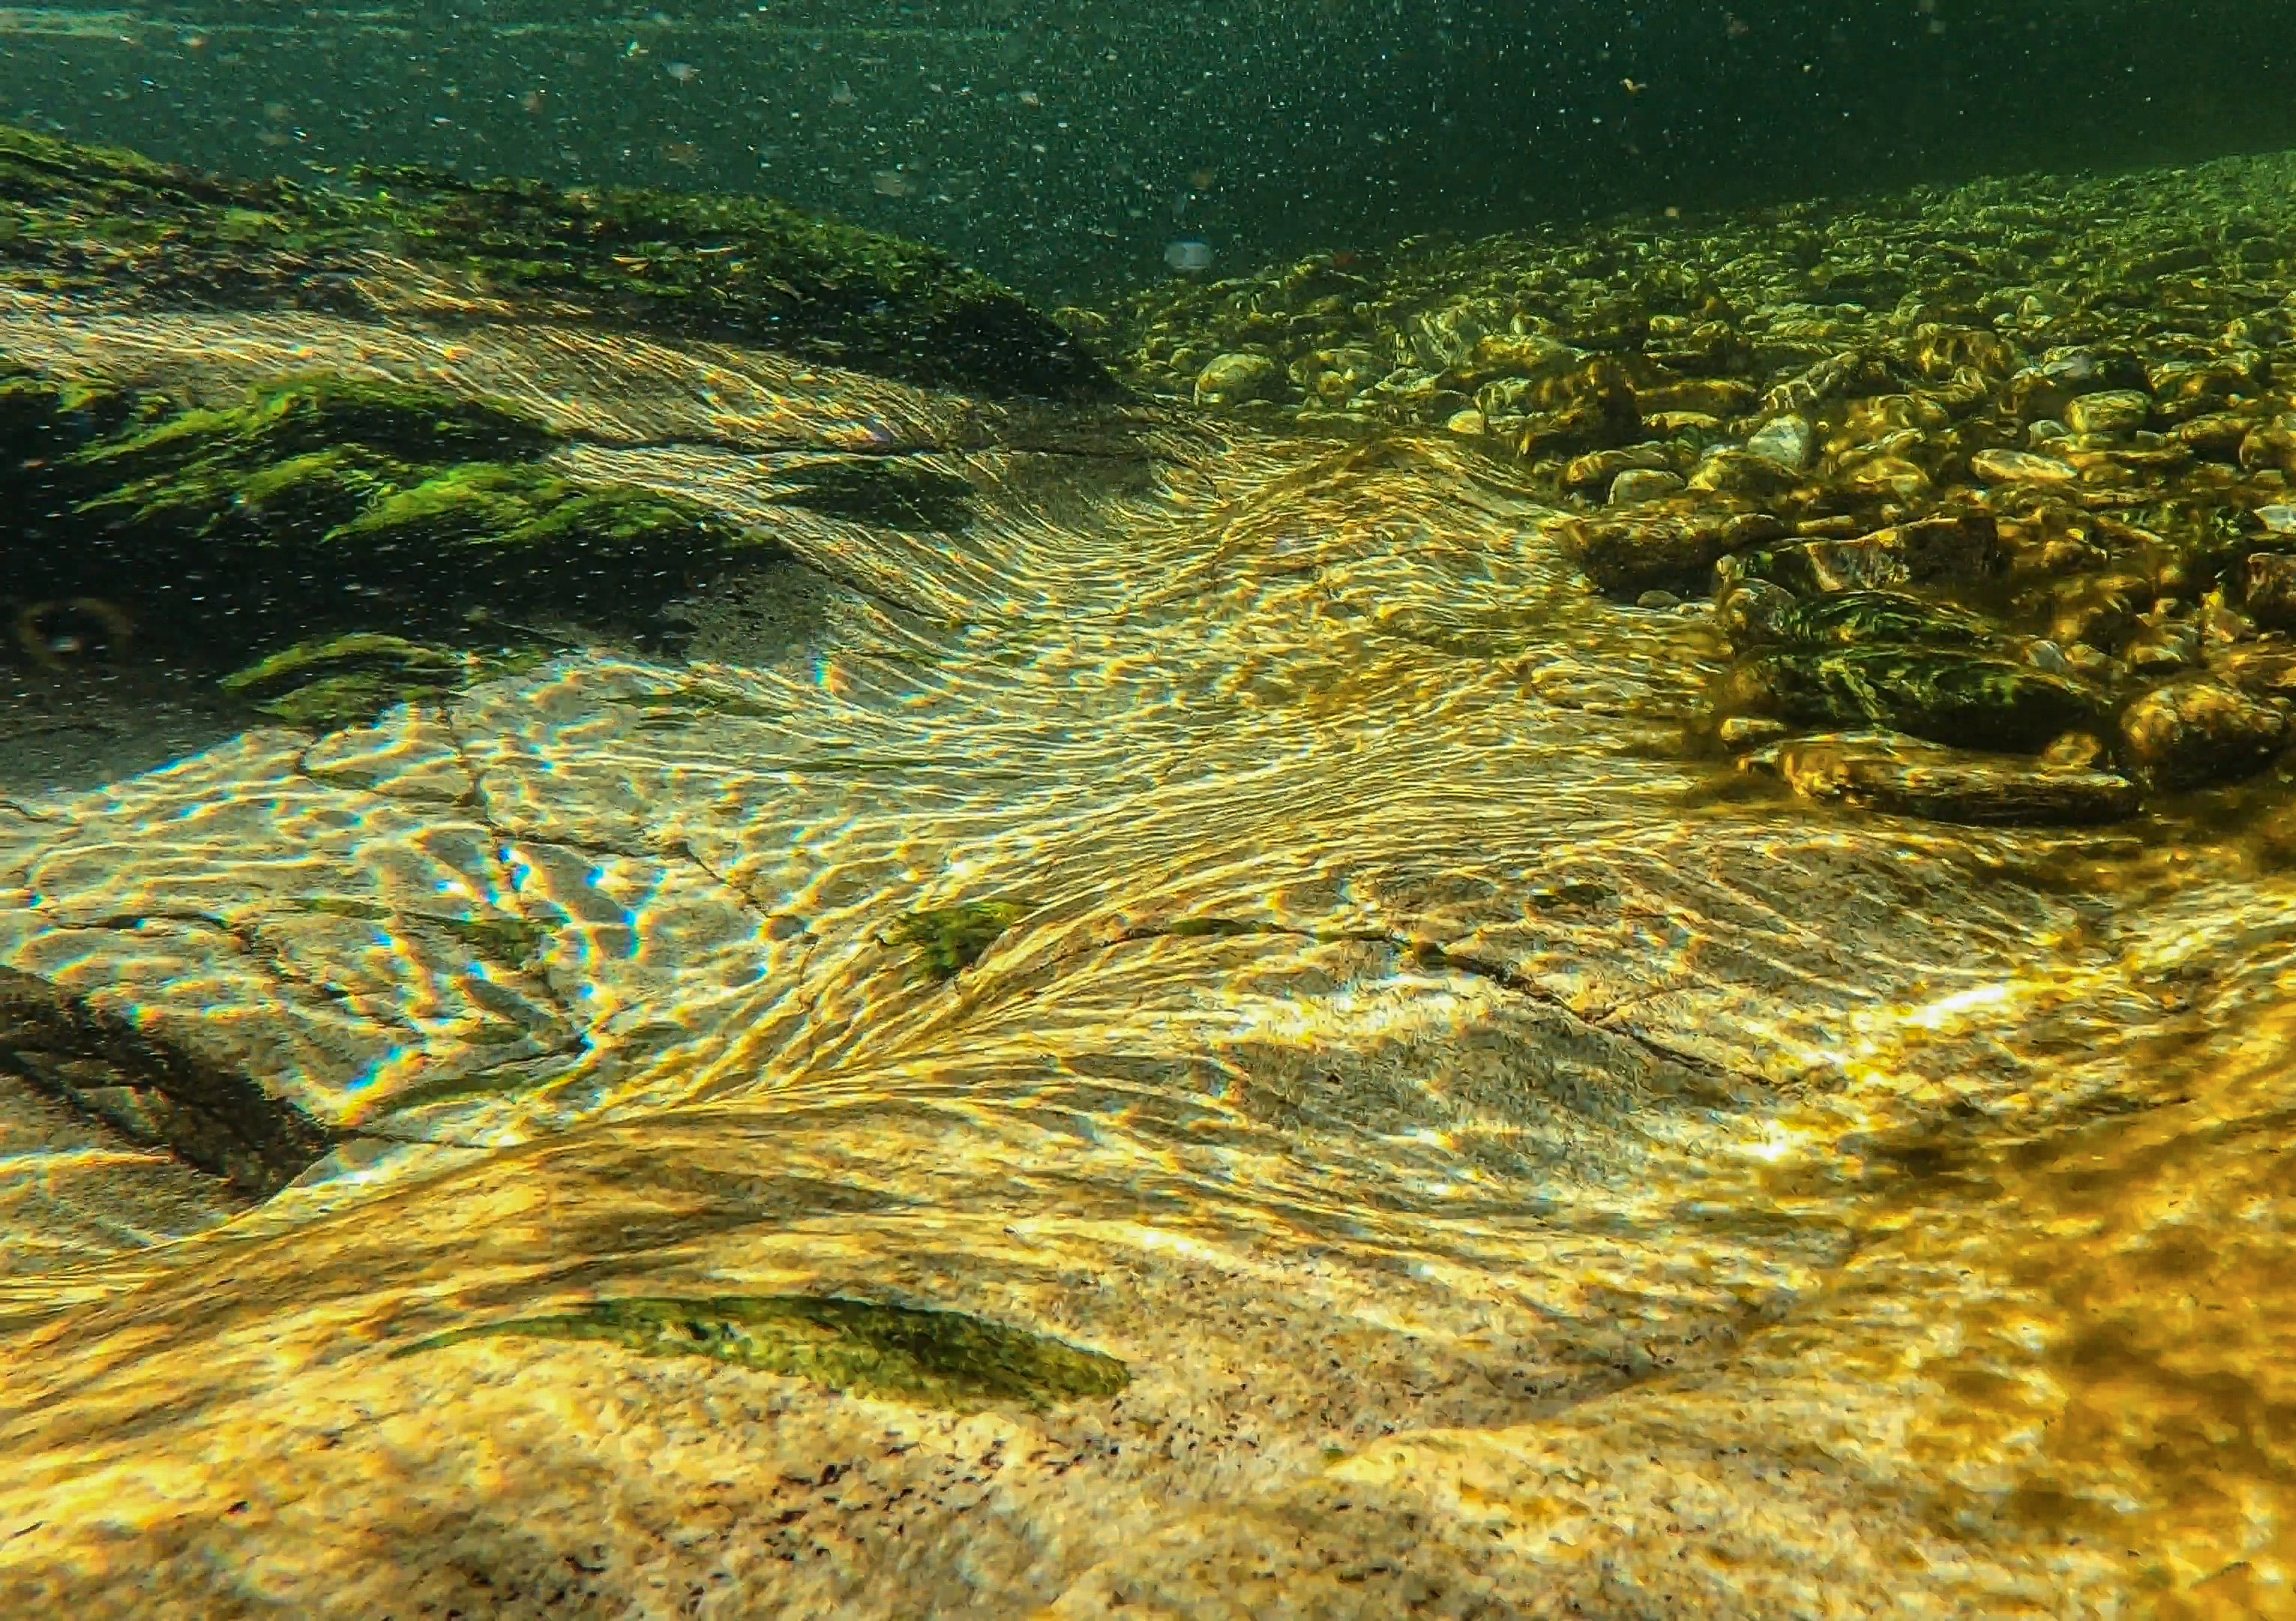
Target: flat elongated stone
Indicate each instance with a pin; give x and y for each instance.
(1961, 549)
(2020, 467)
(1906, 776)
(2108, 411)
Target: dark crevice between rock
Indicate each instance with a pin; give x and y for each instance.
(156, 1095)
(1730, 1083)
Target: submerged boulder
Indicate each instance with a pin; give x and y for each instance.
(1628, 552)
(1889, 772)
(1959, 548)
(1758, 614)
(327, 503)
(1942, 693)
(2192, 733)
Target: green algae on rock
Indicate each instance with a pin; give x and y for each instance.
(326, 503)
(902, 1353)
(77, 218)
(42, 416)
(342, 680)
(498, 515)
(950, 939)
(510, 941)
(1940, 694)
(1849, 619)
(299, 415)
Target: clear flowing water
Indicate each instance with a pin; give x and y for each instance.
(1514, 840)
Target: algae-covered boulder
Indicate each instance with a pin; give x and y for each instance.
(1758, 613)
(322, 504)
(77, 218)
(1943, 693)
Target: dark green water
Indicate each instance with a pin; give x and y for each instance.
(1061, 145)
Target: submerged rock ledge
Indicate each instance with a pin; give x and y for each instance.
(1135, 1014)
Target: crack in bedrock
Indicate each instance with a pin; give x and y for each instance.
(225, 1122)
(1431, 954)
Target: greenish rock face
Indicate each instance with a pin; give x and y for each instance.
(747, 269)
(40, 417)
(899, 1353)
(950, 939)
(1937, 692)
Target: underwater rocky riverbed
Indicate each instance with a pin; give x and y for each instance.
(695, 919)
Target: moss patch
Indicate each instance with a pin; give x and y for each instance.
(295, 416)
(930, 1359)
(320, 505)
(950, 939)
(510, 941)
(345, 680)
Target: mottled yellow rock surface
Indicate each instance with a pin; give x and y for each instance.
(1525, 1168)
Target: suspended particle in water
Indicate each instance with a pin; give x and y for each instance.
(1188, 256)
